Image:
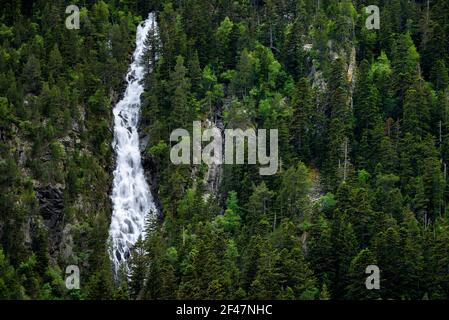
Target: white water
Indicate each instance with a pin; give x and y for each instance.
(131, 197)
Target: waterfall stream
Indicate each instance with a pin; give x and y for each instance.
(131, 196)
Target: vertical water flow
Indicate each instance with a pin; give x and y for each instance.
(131, 197)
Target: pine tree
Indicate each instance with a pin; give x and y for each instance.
(434, 187)
(388, 197)
(411, 263)
(368, 119)
(293, 199)
(344, 248)
(416, 111)
(439, 75)
(405, 64)
(10, 287)
(388, 255)
(301, 127)
(55, 63)
(172, 36)
(266, 284)
(180, 102)
(293, 51)
(296, 276)
(138, 269)
(245, 76)
(340, 125)
(32, 75)
(258, 209)
(356, 289)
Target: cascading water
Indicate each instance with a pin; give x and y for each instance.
(131, 197)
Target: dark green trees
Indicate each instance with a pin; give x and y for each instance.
(363, 120)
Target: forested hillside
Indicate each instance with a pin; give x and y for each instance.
(363, 120)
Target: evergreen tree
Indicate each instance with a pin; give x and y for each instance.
(138, 269)
(180, 102)
(301, 128)
(356, 289)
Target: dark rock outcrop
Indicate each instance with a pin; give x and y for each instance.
(51, 205)
(51, 208)
(151, 169)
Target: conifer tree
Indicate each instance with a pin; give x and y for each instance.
(138, 269)
(356, 289)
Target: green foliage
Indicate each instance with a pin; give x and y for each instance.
(361, 176)
(10, 287)
(56, 89)
(363, 120)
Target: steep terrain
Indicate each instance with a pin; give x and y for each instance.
(363, 121)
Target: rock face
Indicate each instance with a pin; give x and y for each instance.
(51, 208)
(151, 171)
(51, 205)
(213, 176)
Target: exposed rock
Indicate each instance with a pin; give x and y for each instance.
(352, 67)
(66, 247)
(307, 47)
(318, 80)
(151, 171)
(316, 190)
(23, 148)
(352, 75)
(27, 231)
(51, 208)
(143, 142)
(304, 247)
(212, 178)
(51, 205)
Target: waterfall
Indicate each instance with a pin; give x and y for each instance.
(131, 197)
